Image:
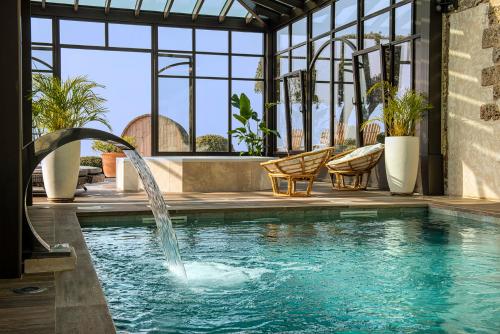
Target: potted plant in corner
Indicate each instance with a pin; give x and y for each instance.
(250, 120)
(109, 153)
(401, 114)
(58, 105)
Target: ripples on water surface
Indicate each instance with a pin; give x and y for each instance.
(408, 275)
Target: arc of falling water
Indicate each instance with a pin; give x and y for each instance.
(159, 207)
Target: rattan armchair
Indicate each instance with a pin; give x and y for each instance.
(355, 163)
(300, 167)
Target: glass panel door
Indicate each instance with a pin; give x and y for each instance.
(370, 69)
(175, 101)
(295, 106)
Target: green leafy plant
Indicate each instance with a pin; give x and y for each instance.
(65, 104)
(105, 147)
(91, 161)
(211, 143)
(250, 119)
(401, 113)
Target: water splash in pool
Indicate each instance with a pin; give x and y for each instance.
(166, 232)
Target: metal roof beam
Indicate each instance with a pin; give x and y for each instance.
(107, 6)
(196, 9)
(168, 7)
(225, 9)
(274, 5)
(252, 9)
(294, 3)
(248, 18)
(138, 5)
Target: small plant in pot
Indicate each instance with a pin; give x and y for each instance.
(58, 105)
(401, 114)
(109, 153)
(250, 121)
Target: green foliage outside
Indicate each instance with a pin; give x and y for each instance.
(65, 104)
(249, 119)
(401, 113)
(91, 161)
(211, 143)
(105, 147)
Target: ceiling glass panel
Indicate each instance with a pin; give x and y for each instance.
(237, 10)
(95, 3)
(61, 1)
(153, 5)
(127, 4)
(183, 6)
(212, 7)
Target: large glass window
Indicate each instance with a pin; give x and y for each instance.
(332, 115)
(196, 73)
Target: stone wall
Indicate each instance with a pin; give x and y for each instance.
(471, 92)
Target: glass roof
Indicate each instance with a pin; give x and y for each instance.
(212, 7)
(209, 7)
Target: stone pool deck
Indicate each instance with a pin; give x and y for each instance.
(73, 301)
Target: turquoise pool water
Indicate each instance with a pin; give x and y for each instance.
(351, 275)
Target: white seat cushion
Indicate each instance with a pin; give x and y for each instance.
(359, 152)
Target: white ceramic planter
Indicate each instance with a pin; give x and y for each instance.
(401, 163)
(60, 172)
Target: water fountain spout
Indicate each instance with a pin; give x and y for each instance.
(37, 150)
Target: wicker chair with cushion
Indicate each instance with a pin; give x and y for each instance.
(300, 167)
(356, 163)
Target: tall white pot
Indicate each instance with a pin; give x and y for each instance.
(401, 163)
(60, 172)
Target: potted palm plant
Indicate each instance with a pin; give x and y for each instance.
(109, 153)
(60, 105)
(401, 114)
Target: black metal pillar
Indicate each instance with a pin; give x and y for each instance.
(428, 23)
(27, 81)
(269, 91)
(11, 137)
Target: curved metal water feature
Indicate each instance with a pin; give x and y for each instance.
(37, 150)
